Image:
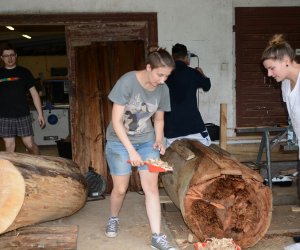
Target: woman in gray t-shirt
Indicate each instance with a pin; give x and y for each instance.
(135, 134)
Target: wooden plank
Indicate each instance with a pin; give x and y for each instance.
(41, 237)
(288, 171)
(223, 126)
(165, 199)
(296, 209)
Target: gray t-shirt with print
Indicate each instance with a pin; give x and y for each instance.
(140, 105)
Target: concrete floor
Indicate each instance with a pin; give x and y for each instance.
(134, 227)
(135, 230)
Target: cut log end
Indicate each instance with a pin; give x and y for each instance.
(217, 195)
(229, 207)
(35, 189)
(12, 191)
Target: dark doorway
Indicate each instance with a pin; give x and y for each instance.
(258, 98)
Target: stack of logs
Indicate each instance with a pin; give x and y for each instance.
(217, 195)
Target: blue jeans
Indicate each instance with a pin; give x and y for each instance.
(117, 156)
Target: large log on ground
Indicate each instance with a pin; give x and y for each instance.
(36, 189)
(40, 237)
(217, 195)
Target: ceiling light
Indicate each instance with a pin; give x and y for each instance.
(26, 36)
(10, 27)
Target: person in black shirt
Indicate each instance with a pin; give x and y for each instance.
(184, 120)
(15, 119)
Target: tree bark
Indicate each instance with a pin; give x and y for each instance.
(217, 195)
(35, 189)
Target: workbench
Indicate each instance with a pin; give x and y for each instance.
(266, 143)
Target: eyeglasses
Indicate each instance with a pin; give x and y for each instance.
(7, 56)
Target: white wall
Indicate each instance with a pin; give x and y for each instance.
(204, 26)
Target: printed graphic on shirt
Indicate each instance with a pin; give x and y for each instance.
(137, 114)
(9, 79)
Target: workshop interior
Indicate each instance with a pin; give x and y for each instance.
(266, 146)
(42, 49)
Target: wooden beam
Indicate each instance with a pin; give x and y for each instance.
(296, 208)
(36, 237)
(223, 126)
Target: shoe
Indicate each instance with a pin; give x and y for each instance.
(159, 242)
(112, 227)
(281, 180)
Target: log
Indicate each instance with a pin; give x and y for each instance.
(40, 237)
(35, 189)
(217, 195)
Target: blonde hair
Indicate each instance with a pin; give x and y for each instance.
(159, 57)
(277, 49)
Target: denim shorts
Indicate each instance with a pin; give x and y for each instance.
(117, 156)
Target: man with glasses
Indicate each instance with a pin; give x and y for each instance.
(15, 119)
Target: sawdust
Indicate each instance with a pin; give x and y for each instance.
(217, 244)
(227, 208)
(160, 163)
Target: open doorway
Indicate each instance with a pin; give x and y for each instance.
(43, 53)
(42, 50)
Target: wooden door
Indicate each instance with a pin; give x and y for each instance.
(114, 59)
(258, 97)
(98, 66)
(88, 132)
(106, 28)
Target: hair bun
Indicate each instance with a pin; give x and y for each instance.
(276, 39)
(153, 48)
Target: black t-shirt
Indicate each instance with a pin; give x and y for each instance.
(184, 118)
(14, 85)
